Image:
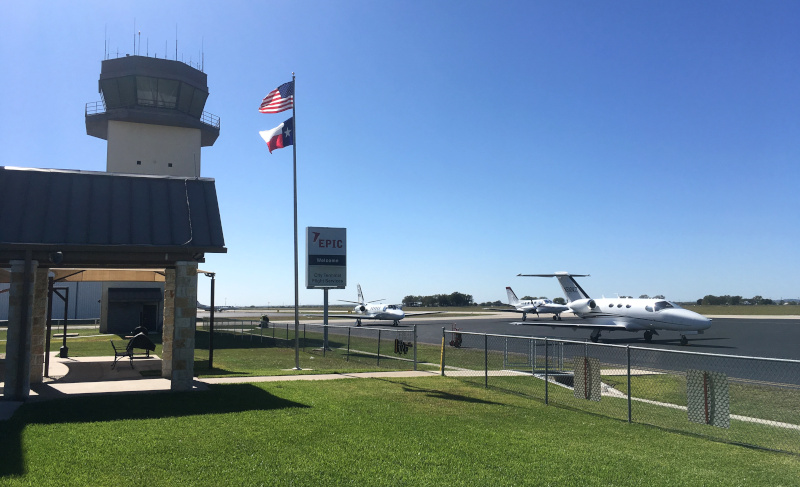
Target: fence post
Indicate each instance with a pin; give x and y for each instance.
(546, 370)
(379, 347)
(441, 359)
(415, 348)
(348, 343)
(486, 360)
(628, 348)
(325, 340)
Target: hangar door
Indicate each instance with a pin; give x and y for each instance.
(131, 307)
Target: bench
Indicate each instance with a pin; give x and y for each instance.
(140, 341)
(119, 353)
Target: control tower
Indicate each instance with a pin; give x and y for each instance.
(152, 116)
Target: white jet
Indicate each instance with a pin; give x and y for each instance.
(206, 307)
(364, 310)
(626, 314)
(532, 306)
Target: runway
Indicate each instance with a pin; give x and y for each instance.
(772, 337)
(751, 337)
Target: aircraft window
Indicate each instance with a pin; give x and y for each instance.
(648, 308)
(627, 305)
(611, 305)
(662, 305)
(619, 305)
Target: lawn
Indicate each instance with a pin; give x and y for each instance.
(429, 431)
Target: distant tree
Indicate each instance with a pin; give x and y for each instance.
(699, 302)
(559, 301)
(526, 298)
(659, 296)
(644, 296)
(735, 300)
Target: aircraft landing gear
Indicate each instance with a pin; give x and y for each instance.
(358, 322)
(595, 336)
(556, 317)
(684, 340)
(524, 315)
(396, 323)
(648, 336)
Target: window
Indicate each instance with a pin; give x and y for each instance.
(662, 305)
(138, 163)
(169, 164)
(619, 305)
(627, 305)
(611, 305)
(648, 308)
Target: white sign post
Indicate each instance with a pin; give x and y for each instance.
(326, 265)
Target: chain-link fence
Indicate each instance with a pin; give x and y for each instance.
(745, 400)
(385, 348)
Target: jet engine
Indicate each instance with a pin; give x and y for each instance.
(362, 308)
(582, 306)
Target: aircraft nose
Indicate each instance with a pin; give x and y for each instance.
(690, 318)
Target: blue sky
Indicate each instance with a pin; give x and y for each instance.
(653, 145)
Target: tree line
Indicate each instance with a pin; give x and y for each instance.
(439, 300)
(736, 300)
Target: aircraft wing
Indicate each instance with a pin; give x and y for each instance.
(331, 315)
(424, 313)
(591, 326)
(513, 310)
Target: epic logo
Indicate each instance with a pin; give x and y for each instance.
(328, 243)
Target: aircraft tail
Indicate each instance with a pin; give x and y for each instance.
(360, 295)
(572, 290)
(512, 298)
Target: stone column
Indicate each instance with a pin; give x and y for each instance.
(168, 328)
(184, 325)
(39, 329)
(20, 323)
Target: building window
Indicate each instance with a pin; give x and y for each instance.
(138, 163)
(169, 164)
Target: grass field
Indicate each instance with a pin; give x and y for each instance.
(432, 431)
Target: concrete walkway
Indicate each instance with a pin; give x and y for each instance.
(94, 375)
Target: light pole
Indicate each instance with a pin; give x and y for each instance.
(212, 275)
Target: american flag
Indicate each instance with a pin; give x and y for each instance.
(279, 99)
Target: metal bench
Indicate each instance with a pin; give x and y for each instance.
(140, 341)
(119, 353)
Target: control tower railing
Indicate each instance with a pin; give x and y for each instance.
(99, 107)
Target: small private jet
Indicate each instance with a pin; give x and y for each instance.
(625, 314)
(206, 307)
(364, 310)
(532, 306)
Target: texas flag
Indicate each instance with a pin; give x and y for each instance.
(279, 137)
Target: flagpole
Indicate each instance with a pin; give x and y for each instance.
(296, 285)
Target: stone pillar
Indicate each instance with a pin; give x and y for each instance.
(184, 325)
(20, 323)
(168, 328)
(39, 329)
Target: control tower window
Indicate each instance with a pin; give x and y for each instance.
(155, 92)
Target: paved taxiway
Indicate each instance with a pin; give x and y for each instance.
(775, 337)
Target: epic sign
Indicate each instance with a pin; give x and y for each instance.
(326, 258)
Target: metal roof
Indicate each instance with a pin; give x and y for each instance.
(82, 210)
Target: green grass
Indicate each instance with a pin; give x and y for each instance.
(756, 311)
(432, 431)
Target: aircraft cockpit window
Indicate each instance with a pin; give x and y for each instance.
(662, 305)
